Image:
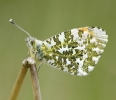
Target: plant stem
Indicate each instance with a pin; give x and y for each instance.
(18, 83)
(35, 82)
(28, 62)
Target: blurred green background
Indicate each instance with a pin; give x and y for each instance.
(43, 19)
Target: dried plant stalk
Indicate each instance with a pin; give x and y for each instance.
(35, 82)
(18, 82)
(28, 62)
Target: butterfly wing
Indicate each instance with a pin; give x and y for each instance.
(76, 51)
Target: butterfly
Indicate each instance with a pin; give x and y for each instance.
(76, 51)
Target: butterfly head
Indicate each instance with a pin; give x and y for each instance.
(34, 46)
(30, 41)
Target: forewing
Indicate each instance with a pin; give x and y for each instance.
(76, 51)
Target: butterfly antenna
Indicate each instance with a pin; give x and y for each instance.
(14, 23)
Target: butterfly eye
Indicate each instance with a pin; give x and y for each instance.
(32, 42)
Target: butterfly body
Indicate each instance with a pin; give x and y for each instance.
(76, 51)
